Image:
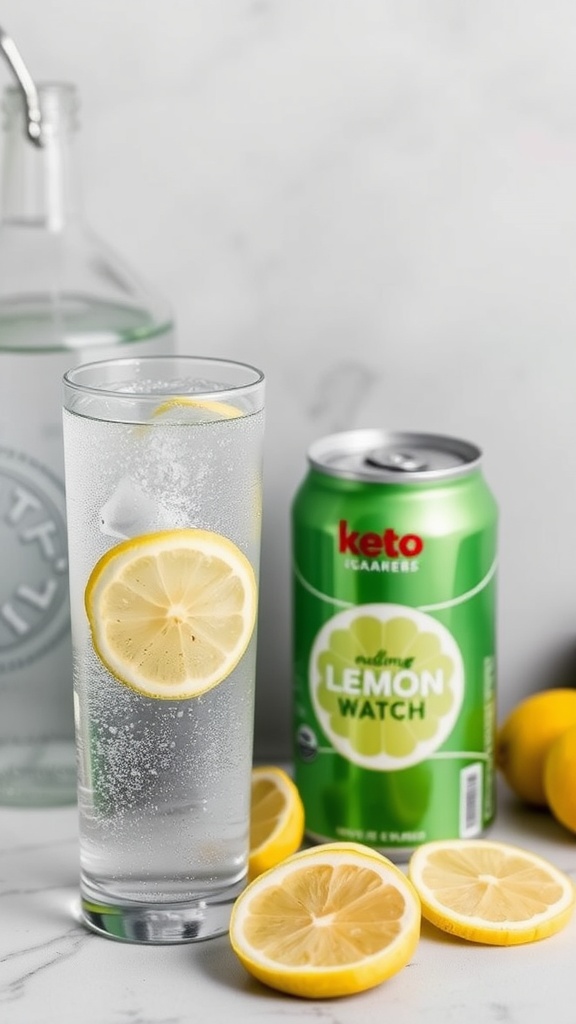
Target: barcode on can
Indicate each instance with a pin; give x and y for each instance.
(471, 801)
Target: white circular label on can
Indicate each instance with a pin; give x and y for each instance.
(387, 684)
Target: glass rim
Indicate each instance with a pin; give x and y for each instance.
(43, 86)
(58, 100)
(73, 384)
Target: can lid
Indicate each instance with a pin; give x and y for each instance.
(393, 457)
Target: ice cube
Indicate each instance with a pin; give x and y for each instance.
(130, 511)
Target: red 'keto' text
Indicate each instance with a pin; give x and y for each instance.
(373, 545)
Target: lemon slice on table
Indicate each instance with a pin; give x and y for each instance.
(184, 409)
(172, 613)
(490, 892)
(329, 921)
(276, 819)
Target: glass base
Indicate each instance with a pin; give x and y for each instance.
(37, 774)
(162, 923)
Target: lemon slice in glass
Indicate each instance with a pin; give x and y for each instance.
(172, 613)
(185, 409)
(329, 921)
(490, 892)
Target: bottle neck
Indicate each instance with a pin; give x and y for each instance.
(40, 186)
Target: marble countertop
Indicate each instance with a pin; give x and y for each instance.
(53, 971)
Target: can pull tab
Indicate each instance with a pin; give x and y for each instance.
(26, 83)
(402, 462)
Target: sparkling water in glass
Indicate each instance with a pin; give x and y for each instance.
(153, 445)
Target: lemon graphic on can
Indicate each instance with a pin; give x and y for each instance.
(387, 685)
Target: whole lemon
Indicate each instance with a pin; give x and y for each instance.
(560, 778)
(523, 740)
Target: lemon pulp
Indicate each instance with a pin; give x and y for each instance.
(171, 613)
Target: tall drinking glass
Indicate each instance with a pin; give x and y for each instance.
(163, 482)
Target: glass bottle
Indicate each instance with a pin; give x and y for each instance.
(65, 299)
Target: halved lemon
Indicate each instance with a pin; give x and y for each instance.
(329, 921)
(276, 819)
(172, 613)
(185, 409)
(490, 892)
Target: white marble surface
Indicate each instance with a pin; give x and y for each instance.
(375, 201)
(53, 971)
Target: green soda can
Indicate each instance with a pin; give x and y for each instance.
(394, 543)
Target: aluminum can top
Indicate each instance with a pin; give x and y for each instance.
(382, 456)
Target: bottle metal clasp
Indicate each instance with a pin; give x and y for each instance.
(26, 83)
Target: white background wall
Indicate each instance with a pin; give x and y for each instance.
(375, 201)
